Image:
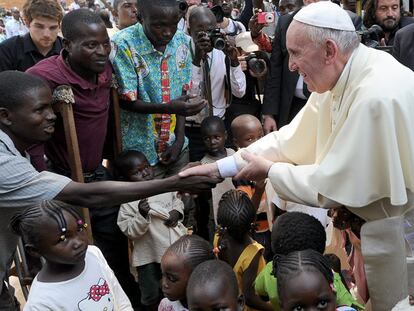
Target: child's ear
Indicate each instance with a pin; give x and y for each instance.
(225, 135)
(240, 302)
(32, 250)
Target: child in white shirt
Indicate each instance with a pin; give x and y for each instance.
(75, 276)
(152, 224)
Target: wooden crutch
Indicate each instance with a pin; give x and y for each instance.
(63, 99)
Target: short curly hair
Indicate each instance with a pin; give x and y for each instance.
(212, 272)
(42, 8)
(296, 231)
(73, 21)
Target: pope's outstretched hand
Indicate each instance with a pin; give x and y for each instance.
(210, 170)
(256, 168)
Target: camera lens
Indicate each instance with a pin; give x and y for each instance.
(219, 43)
(182, 6)
(258, 66)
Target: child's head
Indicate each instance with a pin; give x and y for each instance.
(179, 261)
(296, 231)
(305, 281)
(132, 165)
(246, 129)
(214, 135)
(236, 215)
(213, 286)
(53, 230)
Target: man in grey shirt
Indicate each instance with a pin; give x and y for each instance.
(27, 118)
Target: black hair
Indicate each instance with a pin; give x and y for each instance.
(72, 21)
(296, 231)
(236, 214)
(212, 122)
(104, 15)
(15, 87)
(213, 271)
(200, 11)
(193, 249)
(125, 162)
(27, 222)
(291, 265)
(144, 5)
(334, 262)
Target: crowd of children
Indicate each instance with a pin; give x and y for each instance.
(245, 249)
(178, 271)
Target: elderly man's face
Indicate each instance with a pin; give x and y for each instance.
(127, 13)
(387, 14)
(307, 58)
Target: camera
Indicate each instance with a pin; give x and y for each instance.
(217, 39)
(182, 6)
(218, 13)
(371, 37)
(255, 64)
(265, 18)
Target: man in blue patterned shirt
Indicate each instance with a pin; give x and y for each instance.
(152, 63)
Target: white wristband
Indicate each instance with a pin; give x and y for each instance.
(227, 167)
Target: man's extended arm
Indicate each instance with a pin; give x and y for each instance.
(110, 193)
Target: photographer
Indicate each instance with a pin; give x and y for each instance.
(217, 74)
(222, 11)
(388, 15)
(254, 64)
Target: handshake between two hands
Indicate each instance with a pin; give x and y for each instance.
(255, 169)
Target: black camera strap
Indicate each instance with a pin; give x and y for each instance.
(227, 83)
(207, 86)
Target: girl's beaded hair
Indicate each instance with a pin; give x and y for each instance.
(27, 222)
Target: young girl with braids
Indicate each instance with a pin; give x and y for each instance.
(305, 282)
(75, 276)
(292, 232)
(235, 217)
(177, 264)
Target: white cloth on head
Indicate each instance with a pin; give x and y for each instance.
(245, 42)
(325, 14)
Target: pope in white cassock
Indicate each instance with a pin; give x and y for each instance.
(351, 145)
